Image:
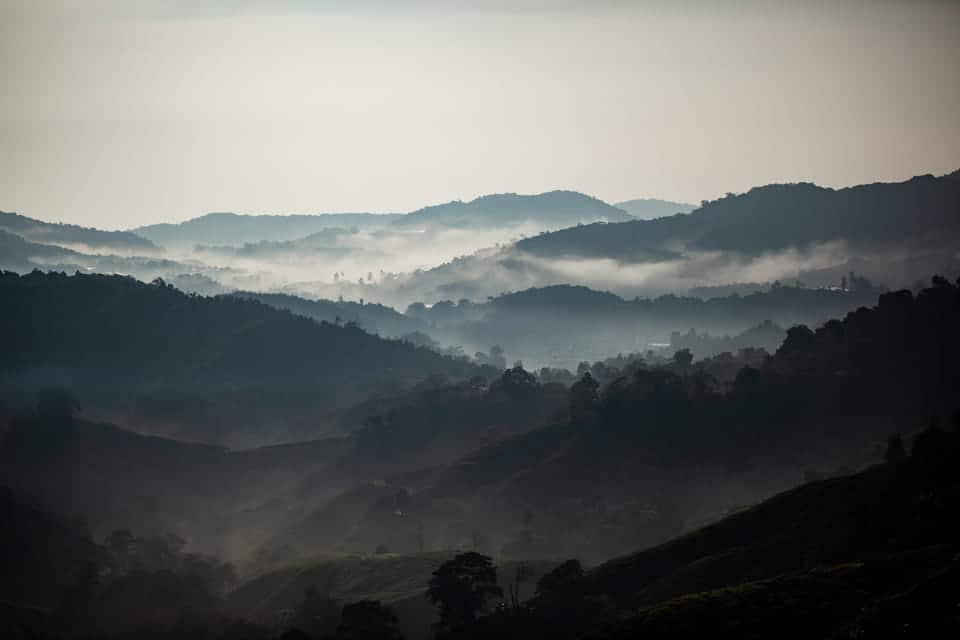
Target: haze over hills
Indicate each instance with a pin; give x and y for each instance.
(364, 365)
(591, 325)
(232, 229)
(894, 233)
(642, 413)
(514, 465)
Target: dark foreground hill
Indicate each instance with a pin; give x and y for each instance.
(867, 556)
(219, 499)
(170, 358)
(872, 555)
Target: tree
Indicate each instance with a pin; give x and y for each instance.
(583, 398)
(895, 449)
(367, 620)
(518, 384)
(524, 573)
(461, 588)
(317, 614)
(558, 581)
(683, 357)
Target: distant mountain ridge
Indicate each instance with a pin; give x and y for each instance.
(554, 208)
(218, 229)
(649, 208)
(71, 235)
(923, 211)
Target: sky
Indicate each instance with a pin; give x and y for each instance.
(121, 113)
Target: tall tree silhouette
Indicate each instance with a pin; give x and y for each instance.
(461, 587)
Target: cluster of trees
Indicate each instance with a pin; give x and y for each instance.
(766, 335)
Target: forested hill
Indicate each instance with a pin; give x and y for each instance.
(817, 402)
(112, 335)
(923, 211)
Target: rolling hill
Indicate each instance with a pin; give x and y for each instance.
(837, 558)
(164, 355)
(76, 237)
(921, 212)
(232, 229)
(372, 318)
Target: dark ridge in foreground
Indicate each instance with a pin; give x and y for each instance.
(852, 557)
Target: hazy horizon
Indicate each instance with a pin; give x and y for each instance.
(119, 116)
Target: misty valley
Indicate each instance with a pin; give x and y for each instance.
(530, 416)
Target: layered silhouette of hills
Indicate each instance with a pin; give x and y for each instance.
(73, 236)
(18, 253)
(895, 234)
(877, 371)
(552, 210)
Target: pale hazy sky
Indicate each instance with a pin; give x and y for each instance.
(117, 113)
